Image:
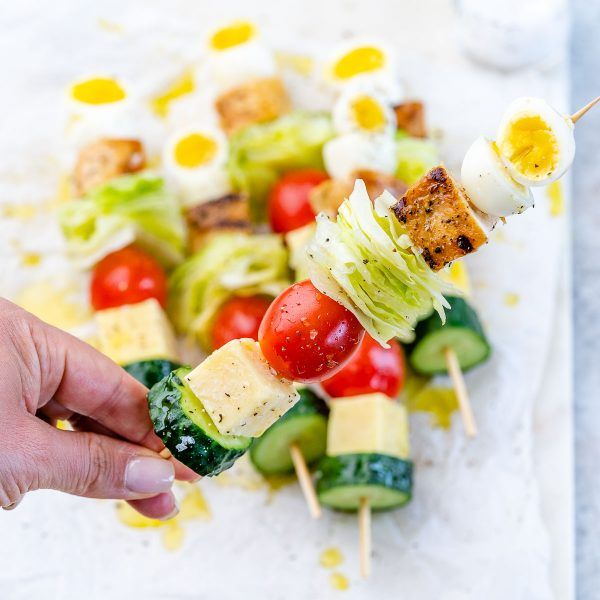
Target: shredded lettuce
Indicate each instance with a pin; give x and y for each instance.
(414, 157)
(127, 209)
(260, 154)
(365, 260)
(229, 264)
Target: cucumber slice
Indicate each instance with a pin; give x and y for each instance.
(305, 424)
(186, 429)
(462, 332)
(344, 479)
(149, 372)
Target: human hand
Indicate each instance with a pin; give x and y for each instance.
(46, 375)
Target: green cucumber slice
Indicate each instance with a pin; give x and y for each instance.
(149, 372)
(386, 481)
(305, 424)
(187, 430)
(462, 332)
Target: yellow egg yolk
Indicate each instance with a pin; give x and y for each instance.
(195, 150)
(365, 59)
(531, 147)
(368, 114)
(100, 90)
(235, 34)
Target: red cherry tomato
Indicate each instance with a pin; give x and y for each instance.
(127, 276)
(239, 318)
(306, 336)
(289, 207)
(372, 368)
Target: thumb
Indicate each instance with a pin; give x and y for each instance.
(97, 466)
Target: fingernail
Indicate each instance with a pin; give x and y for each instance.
(147, 475)
(172, 514)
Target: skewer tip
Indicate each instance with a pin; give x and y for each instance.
(576, 116)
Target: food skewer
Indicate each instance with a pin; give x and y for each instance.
(576, 116)
(305, 481)
(365, 538)
(460, 389)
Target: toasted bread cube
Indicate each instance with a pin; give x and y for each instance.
(439, 219)
(368, 423)
(228, 213)
(410, 116)
(254, 102)
(136, 332)
(240, 391)
(328, 196)
(377, 183)
(104, 160)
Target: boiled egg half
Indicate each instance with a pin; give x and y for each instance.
(363, 111)
(236, 55)
(535, 141)
(194, 160)
(489, 184)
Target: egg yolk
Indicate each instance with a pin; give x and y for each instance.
(235, 34)
(100, 90)
(195, 150)
(368, 114)
(531, 146)
(365, 59)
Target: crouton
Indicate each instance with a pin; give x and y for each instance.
(328, 196)
(411, 118)
(228, 213)
(377, 183)
(254, 102)
(439, 219)
(104, 160)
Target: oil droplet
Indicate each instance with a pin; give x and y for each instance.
(132, 518)
(275, 483)
(31, 259)
(173, 535)
(439, 402)
(20, 211)
(182, 86)
(63, 189)
(339, 581)
(110, 26)
(331, 558)
(511, 299)
(194, 506)
(301, 63)
(557, 200)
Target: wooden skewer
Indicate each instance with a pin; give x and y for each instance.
(461, 392)
(305, 481)
(576, 116)
(364, 531)
(165, 453)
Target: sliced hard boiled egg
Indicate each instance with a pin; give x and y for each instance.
(362, 62)
(535, 141)
(362, 111)
(355, 151)
(194, 162)
(489, 184)
(237, 55)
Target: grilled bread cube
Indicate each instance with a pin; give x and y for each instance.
(104, 160)
(377, 183)
(228, 213)
(368, 423)
(136, 332)
(254, 102)
(439, 219)
(241, 393)
(410, 116)
(328, 196)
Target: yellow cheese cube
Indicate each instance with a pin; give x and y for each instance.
(240, 391)
(368, 423)
(297, 242)
(136, 332)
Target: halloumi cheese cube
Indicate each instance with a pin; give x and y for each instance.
(439, 219)
(240, 391)
(368, 423)
(255, 102)
(104, 160)
(136, 332)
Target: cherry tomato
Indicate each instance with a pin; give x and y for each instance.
(239, 318)
(372, 368)
(289, 207)
(306, 336)
(127, 276)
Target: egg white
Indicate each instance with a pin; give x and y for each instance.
(561, 127)
(489, 184)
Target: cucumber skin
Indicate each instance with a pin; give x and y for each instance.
(365, 469)
(149, 372)
(460, 315)
(205, 456)
(309, 404)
